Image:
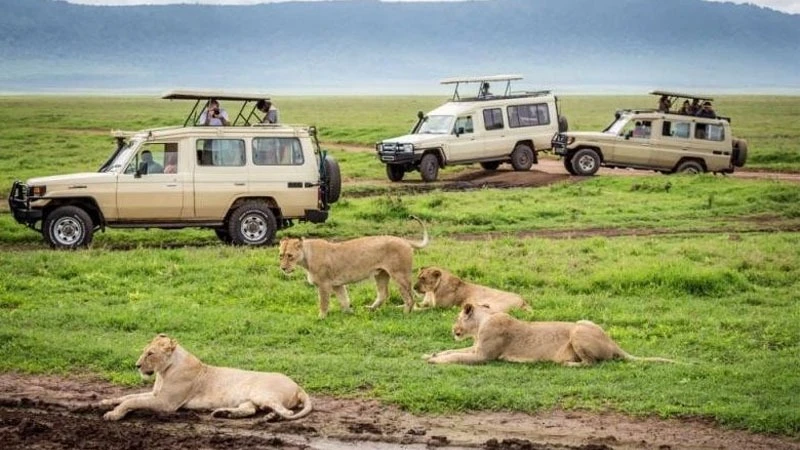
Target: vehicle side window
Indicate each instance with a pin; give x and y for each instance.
(676, 129)
(277, 152)
(493, 118)
(220, 152)
(709, 132)
(528, 115)
(152, 158)
(464, 125)
(639, 129)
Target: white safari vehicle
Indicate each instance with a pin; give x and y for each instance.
(245, 181)
(490, 128)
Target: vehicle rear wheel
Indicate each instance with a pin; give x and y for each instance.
(334, 180)
(429, 167)
(395, 172)
(568, 165)
(690, 167)
(585, 162)
(739, 152)
(522, 157)
(252, 223)
(490, 165)
(68, 227)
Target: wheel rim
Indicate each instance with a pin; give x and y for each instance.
(691, 170)
(254, 227)
(67, 231)
(429, 168)
(522, 159)
(586, 163)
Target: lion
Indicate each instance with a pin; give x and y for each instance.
(331, 266)
(498, 336)
(444, 290)
(183, 381)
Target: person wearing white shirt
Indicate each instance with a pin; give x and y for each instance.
(213, 115)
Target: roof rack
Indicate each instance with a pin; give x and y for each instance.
(207, 95)
(481, 80)
(680, 95)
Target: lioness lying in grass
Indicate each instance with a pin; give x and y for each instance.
(331, 266)
(444, 290)
(500, 336)
(183, 381)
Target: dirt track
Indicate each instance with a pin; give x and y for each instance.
(46, 412)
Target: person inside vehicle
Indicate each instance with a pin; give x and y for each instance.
(686, 108)
(213, 115)
(148, 165)
(270, 111)
(484, 93)
(171, 161)
(664, 104)
(707, 111)
(694, 107)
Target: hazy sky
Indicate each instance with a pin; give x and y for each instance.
(790, 6)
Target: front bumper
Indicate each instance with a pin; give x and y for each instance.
(397, 157)
(559, 144)
(20, 205)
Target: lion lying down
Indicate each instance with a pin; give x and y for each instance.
(183, 381)
(331, 266)
(444, 290)
(500, 336)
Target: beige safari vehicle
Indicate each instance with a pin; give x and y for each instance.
(487, 128)
(244, 181)
(664, 140)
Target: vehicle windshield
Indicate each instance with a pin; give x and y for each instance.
(616, 127)
(436, 125)
(119, 156)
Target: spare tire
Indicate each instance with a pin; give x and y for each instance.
(333, 180)
(739, 152)
(563, 124)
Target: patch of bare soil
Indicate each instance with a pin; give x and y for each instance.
(47, 412)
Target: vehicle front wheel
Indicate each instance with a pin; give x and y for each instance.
(252, 223)
(395, 172)
(429, 167)
(490, 165)
(690, 167)
(68, 227)
(522, 157)
(585, 162)
(568, 165)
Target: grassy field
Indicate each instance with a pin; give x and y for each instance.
(718, 292)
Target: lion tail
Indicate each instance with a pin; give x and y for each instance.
(629, 357)
(307, 407)
(425, 239)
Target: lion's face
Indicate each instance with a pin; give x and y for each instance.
(428, 280)
(469, 320)
(291, 253)
(156, 355)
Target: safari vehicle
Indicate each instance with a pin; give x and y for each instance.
(490, 129)
(244, 181)
(666, 140)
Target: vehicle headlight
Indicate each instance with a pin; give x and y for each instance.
(37, 191)
(378, 147)
(407, 147)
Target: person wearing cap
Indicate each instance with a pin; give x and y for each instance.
(213, 115)
(270, 112)
(707, 111)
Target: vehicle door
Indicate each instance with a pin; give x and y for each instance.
(220, 176)
(634, 144)
(495, 139)
(281, 169)
(674, 143)
(463, 145)
(153, 186)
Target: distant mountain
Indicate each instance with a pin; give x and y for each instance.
(375, 47)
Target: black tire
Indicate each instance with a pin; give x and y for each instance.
(739, 152)
(333, 175)
(522, 157)
(395, 172)
(429, 167)
(585, 162)
(252, 224)
(690, 167)
(68, 227)
(568, 165)
(223, 235)
(490, 165)
(563, 124)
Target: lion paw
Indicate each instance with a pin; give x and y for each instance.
(113, 415)
(220, 414)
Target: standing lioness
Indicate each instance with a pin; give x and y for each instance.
(183, 381)
(444, 290)
(500, 336)
(332, 266)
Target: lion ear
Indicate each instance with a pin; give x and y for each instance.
(436, 273)
(172, 344)
(468, 309)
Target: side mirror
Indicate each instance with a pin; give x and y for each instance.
(420, 115)
(628, 135)
(459, 131)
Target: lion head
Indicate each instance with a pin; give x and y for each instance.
(156, 356)
(428, 280)
(469, 320)
(291, 254)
